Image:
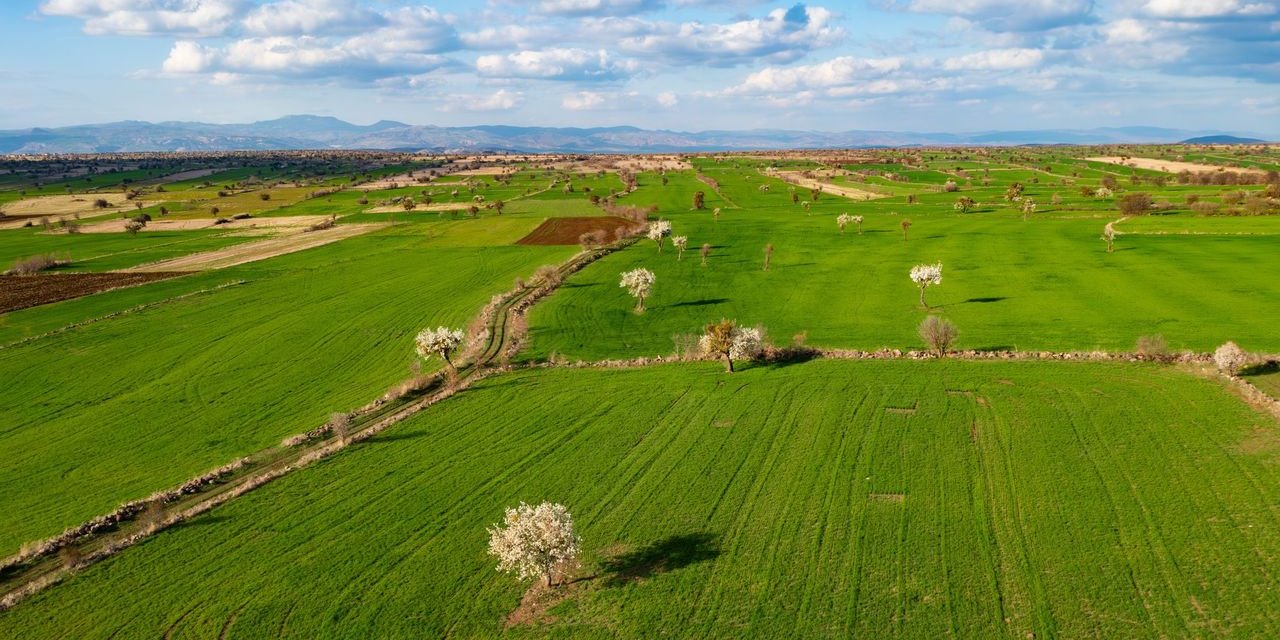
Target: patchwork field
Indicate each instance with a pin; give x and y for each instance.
(1010, 494)
(825, 499)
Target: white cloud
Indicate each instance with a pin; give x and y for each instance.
(1006, 15)
(1208, 8)
(500, 100)
(668, 99)
(996, 60)
(583, 101)
(556, 64)
(596, 7)
(296, 17)
(148, 17)
(784, 35)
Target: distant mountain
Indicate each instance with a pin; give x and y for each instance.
(321, 132)
(1221, 139)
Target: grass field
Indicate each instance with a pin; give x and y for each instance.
(110, 251)
(202, 380)
(829, 499)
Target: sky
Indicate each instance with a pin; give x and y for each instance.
(687, 65)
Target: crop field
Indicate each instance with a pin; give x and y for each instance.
(823, 499)
(1081, 460)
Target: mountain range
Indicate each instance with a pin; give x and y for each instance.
(322, 132)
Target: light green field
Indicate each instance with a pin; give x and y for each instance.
(830, 499)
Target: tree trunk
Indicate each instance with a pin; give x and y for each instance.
(922, 302)
(728, 364)
(640, 305)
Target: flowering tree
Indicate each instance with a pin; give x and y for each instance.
(1102, 192)
(706, 251)
(1109, 234)
(843, 221)
(440, 341)
(1013, 193)
(905, 224)
(925, 275)
(699, 200)
(715, 213)
(1230, 358)
(857, 220)
(1028, 207)
(535, 542)
(680, 243)
(726, 340)
(638, 283)
(658, 230)
(964, 204)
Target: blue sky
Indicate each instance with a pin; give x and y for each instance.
(924, 65)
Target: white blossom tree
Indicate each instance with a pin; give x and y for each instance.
(843, 221)
(1230, 358)
(638, 283)
(925, 275)
(658, 230)
(535, 542)
(440, 342)
(1102, 192)
(1028, 207)
(680, 243)
(728, 341)
(857, 220)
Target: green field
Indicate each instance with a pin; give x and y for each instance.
(199, 381)
(829, 499)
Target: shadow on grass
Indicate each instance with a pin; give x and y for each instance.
(700, 303)
(1262, 369)
(665, 555)
(396, 437)
(986, 300)
(997, 347)
(579, 285)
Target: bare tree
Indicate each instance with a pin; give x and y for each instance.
(905, 224)
(938, 334)
(706, 251)
(768, 255)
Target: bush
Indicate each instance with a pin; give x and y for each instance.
(938, 334)
(35, 264)
(1230, 358)
(101, 203)
(1152, 346)
(1134, 204)
(548, 275)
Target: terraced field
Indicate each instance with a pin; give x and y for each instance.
(825, 499)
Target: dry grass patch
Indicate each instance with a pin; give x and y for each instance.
(1170, 166)
(254, 251)
(64, 205)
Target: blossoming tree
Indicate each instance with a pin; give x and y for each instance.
(925, 275)
(535, 542)
(680, 243)
(658, 230)
(638, 283)
(726, 340)
(440, 342)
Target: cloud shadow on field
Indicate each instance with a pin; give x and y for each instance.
(700, 303)
(662, 556)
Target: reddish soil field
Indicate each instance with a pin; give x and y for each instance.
(20, 292)
(556, 231)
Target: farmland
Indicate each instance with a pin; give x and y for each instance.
(816, 492)
(824, 499)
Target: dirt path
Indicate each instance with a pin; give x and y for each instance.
(1170, 166)
(796, 178)
(254, 251)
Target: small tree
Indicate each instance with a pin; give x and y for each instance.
(905, 224)
(715, 214)
(950, 186)
(964, 204)
(699, 200)
(925, 275)
(340, 426)
(658, 230)
(408, 204)
(638, 283)
(768, 255)
(1134, 204)
(1028, 208)
(134, 226)
(1013, 193)
(843, 221)
(706, 251)
(441, 342)
(726, 340)
(938, 334)
(1230, 358)
(498, 206)
(680, 243)
(535, 542)
(1109, 234)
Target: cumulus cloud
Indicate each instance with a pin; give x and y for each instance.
(596, 7)
(1005, 15)
(612, 100)
(500, 100)
(784, 35)
(149, 17)
(1208, 9)
(997, 59)
(296, 17)
(578, 65)
(668, 99)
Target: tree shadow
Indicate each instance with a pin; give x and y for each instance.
(1261, 369)
(579, 285)
(997, 347)
(669, 554)
(700, 303)
(985, 300)
(396, 437)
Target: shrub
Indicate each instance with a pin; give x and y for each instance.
(1152, 346)
(1230, 358)
(1134, 204)
(548, 276)
(101, 203)
(35, 264)
(938, 334)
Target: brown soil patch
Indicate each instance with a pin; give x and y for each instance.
(1170, 166)
(254, 251)
(536, 602)
(559, 231)
(796, 178)
(183, 175)
(116, 225)
(65, 205)
(20, 292)
(435, 206)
